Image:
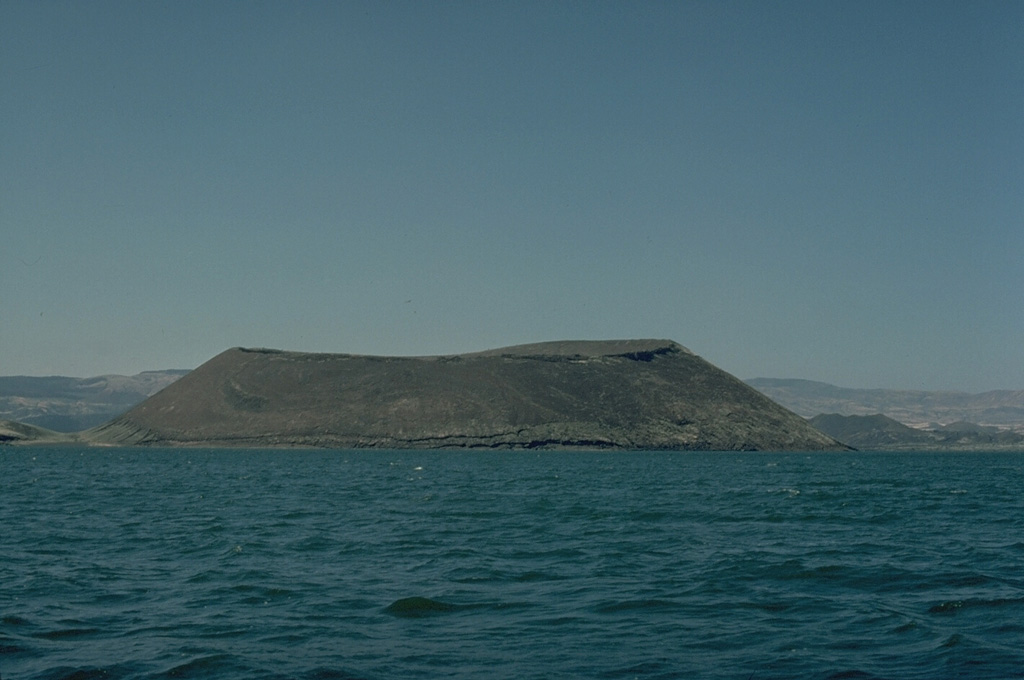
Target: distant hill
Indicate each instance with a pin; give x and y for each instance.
(870, 432)
(72, 404)
(1001, 408)
(19, 433)
(881, 433)
(627, 394)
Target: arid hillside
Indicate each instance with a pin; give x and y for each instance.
(918, 408)
(627, 394)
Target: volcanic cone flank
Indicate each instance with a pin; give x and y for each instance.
(630, 394)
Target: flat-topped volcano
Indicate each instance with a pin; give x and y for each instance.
(626, 394)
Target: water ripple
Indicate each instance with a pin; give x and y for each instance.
(149, 564)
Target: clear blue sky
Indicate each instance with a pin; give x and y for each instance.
(821, 190)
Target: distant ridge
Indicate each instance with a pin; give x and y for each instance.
(881, 433)
(625, 394)
(67, 404)
(808, 398)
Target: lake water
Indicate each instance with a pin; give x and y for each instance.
(131, 563)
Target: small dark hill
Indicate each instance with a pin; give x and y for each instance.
(881, 433)
(12, 432)
(870, 432)
(963, 427)
(629, 394)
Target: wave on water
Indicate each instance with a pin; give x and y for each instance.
(956, 606)
(638, 605)
(418, 607)
(325, 565)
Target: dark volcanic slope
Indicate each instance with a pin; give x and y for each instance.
(635, 394)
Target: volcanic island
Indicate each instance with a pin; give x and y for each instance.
(614, 394)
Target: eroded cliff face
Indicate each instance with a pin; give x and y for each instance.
(626, 394)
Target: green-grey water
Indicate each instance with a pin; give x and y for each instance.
(133, 563)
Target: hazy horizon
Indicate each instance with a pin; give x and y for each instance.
(823, 191)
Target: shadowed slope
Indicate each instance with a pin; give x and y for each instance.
(634, 394)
